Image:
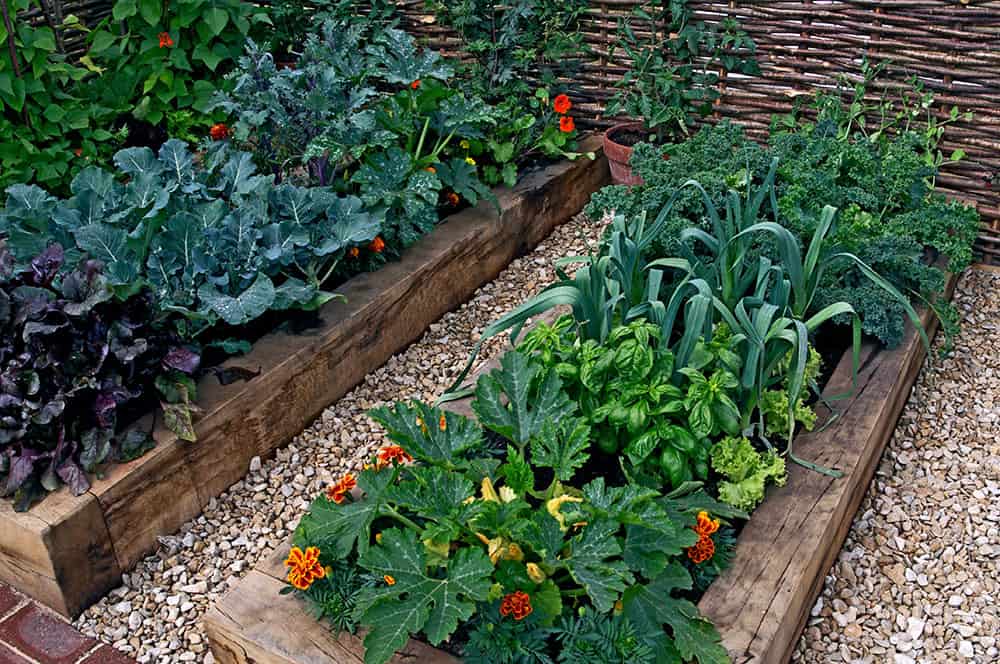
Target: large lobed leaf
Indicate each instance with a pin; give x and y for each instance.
(418, 601)
(533, 396)
(651, 607)
(416, 427)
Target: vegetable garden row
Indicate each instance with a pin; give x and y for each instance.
(754, 318)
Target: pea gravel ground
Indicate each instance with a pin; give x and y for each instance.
(154, 615)
(918, 579)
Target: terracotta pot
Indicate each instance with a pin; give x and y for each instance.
(619, 155)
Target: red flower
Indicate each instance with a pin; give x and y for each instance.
(561, 104)
(702, 551)
(353, 252)
(78, 152)
(517, 604)
(706, 525)
(165, 40)
(392, 454)
(219, 132)
(338, 491)
(566, 124)
(303, 567)
(453, 199)
(415, 84)
(377, 245)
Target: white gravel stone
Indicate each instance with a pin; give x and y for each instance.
(921, 552)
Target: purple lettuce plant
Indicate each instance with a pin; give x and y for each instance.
(75, 363)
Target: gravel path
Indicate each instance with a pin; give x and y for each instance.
(155, 614)
(918, 579)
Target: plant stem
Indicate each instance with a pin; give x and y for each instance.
(392, 513)
(423, 136)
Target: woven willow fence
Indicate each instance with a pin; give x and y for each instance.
(953, 46)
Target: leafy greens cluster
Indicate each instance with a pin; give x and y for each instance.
(215, 242)
(147, 67)
(591, 562)
(887, 215)
(73, 360)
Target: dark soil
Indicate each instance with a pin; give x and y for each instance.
(630, 137)
(141, 134)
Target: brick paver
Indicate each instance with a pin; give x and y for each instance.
(31, 634)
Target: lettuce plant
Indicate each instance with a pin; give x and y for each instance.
(74, 363)
(454, 532)
(746, 472)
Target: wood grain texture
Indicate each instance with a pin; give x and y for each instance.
(761, 603)
(110, 528)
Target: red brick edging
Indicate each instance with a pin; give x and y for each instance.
(30, 634)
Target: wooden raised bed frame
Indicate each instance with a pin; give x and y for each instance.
(759, 605)
(69, 551)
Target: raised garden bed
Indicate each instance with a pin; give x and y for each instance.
(68, 551)
(759, 605)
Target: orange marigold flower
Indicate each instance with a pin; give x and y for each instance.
(702, 551)
(706, 525)
(517, 604)
(353, 252)
(566, 124)
(219, 131)
(443, 423)
(561, 104)
(165, 40)
(392, 454)
(431, 169)
(453, 199)
(303, 567)
(415, 84)
(389, 581)
(339, 490)
(377, 245)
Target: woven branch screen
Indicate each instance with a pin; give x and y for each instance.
(953, 46)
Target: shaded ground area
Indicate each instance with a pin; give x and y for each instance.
(918, 578)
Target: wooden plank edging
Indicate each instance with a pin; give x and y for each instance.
(759, 605)
(69, 551)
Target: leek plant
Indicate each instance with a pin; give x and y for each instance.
(724, 277)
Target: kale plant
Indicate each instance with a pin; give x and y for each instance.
(368, 113)
(887, 214)
(72, 361)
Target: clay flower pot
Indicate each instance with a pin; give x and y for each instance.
(619, 154)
